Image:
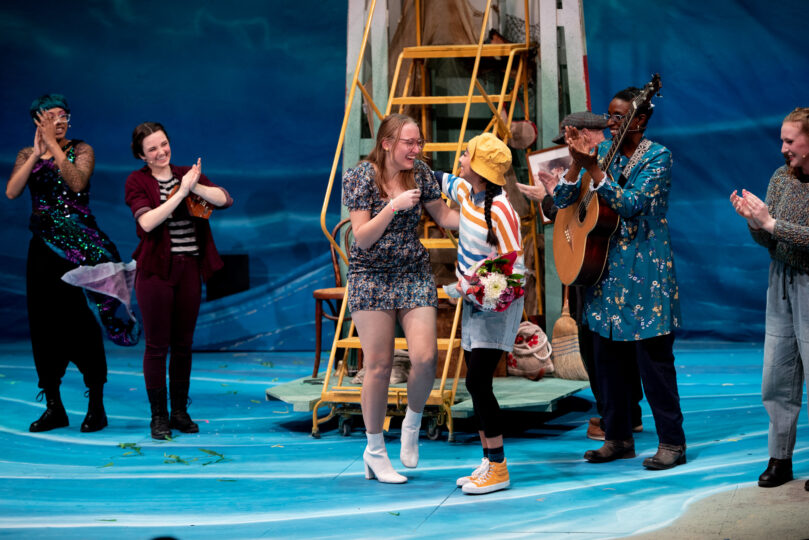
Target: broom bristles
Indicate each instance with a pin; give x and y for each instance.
(567, 359)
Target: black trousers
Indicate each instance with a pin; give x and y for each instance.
(63, 329)
(480, 366)
(653, 358)
(632, 376)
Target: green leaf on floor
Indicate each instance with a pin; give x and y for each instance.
(174, 458)
(110, 464)
(133, 448)
(267, 363)
(393, 513)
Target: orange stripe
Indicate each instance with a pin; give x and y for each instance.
(474, 218)
(506, 238)
(463, 191)
(508, 211)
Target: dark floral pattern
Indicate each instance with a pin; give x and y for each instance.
(395, 272)
(637, 297)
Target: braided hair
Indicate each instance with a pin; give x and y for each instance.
(492, 191)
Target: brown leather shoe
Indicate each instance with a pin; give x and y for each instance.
(667, 456)
(611, 451)
(594, 429)
(777, 473)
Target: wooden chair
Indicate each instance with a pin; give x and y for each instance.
(333, 296)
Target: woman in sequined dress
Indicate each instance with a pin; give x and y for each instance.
(175, 255)
(67, 242)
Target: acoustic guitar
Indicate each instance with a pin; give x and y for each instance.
(582, 231)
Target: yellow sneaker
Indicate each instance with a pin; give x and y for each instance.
(482, 468)
(494, 479)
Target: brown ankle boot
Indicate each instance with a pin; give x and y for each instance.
(611, 451)
(667, 456)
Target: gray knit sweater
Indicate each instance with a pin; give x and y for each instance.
(788, 202)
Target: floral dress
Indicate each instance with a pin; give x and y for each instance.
(395, 272)
(637, 297)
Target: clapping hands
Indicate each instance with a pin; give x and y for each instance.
(753, 210)
(191, 178)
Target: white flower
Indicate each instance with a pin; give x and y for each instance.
(493, 286)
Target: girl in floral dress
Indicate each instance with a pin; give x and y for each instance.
(390, 279)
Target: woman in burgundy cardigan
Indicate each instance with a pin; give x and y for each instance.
(175, 255)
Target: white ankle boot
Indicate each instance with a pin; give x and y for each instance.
(411, 425)
(377, 463)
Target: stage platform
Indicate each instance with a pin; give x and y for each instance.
(513, 394)
(254, 470)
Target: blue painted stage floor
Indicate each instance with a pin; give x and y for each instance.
(254, 471)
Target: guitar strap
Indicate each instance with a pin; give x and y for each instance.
(642, 148)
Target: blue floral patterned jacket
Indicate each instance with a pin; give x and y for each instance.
(637, 297)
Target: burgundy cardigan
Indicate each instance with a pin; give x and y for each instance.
(153, 253)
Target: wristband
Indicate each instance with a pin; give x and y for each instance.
(392, 208)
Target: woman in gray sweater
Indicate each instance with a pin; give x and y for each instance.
(781, 224)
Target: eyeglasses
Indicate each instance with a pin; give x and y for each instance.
(64, 118)
(616, 117)
(412, 143)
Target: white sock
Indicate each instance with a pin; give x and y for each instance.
(412, 419)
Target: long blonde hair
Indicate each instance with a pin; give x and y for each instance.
(799, 115)
(390, 129)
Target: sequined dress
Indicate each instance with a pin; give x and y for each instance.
(62, 219)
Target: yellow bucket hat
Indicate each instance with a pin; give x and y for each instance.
(489, 157)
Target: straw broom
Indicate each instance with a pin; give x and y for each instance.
(567, 360)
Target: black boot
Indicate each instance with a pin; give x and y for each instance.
(179, 408)
(778, 472)
(96, 418)
(54, 415)
(160, 414)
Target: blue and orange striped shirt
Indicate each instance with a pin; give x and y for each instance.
(472, 245)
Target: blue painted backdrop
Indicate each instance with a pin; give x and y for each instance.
(256, 89)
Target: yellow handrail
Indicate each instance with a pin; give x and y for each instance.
(343, 134)
(471, 87)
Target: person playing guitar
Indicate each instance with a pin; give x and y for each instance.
(632, 306)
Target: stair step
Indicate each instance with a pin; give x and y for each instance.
(401, 343)
(461, 51)
(443, 100)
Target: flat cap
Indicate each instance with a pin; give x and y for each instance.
(580, 120)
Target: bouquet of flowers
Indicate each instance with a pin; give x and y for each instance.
(492, 284)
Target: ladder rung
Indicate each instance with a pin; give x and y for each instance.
(442, 147)
(353, 342)
(443, 100)
(458, 51)
(438, 243)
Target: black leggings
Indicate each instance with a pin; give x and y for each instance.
(480, 366)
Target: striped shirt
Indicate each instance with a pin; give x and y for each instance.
(472, 245)
(181, 230)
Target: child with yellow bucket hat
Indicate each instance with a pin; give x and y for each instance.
(489, 230)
